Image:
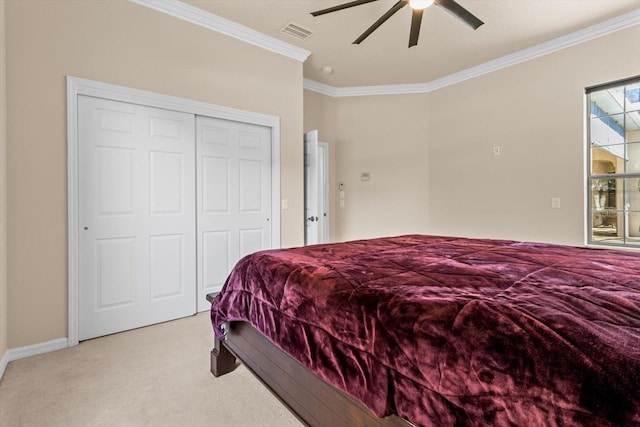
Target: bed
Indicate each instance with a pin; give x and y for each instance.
(437, 330)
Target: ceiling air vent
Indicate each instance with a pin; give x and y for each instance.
(295, 30)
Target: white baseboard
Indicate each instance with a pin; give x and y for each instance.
(31, 350)
(3, 363)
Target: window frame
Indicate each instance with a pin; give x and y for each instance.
(621, 242)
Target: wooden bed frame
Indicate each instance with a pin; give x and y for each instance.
(309, 398)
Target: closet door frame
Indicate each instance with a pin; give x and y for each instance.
(78, 86)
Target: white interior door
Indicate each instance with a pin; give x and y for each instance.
(234, 198)
(323, 191)
(136, 216)
(311, 213)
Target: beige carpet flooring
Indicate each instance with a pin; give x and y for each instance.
(153, 376)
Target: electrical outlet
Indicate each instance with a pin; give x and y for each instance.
(555, 202)
(496, 150)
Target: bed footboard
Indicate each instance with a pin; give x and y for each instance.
(308, 397)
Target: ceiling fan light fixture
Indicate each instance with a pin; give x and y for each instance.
(420, 4)
(417, 7)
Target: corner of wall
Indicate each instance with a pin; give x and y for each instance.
(4, 361)
(3, 196)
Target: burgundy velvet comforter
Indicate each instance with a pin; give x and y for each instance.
(453, 331)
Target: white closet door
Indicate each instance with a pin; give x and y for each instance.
(137, 216)
(234, 198)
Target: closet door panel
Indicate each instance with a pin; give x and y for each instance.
(234, 197)
(136, 214)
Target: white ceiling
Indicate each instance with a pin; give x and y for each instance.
(446, 45)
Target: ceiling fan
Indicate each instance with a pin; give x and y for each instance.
(418, 7)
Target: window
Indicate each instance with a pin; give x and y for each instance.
(613, 156)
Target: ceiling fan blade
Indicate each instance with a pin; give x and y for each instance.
(416, 21)
(396, 7)
(341, 6)
(460, 12)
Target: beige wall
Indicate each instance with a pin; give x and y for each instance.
(125, 44)
(431, 155)
(3, 190)
(535, 112)
(385, 136)
(320, 114)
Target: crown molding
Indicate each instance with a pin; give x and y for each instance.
(227, 27)
(208, 20)
(598, 30)
(323, 88)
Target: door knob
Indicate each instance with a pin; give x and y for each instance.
(312, 218)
